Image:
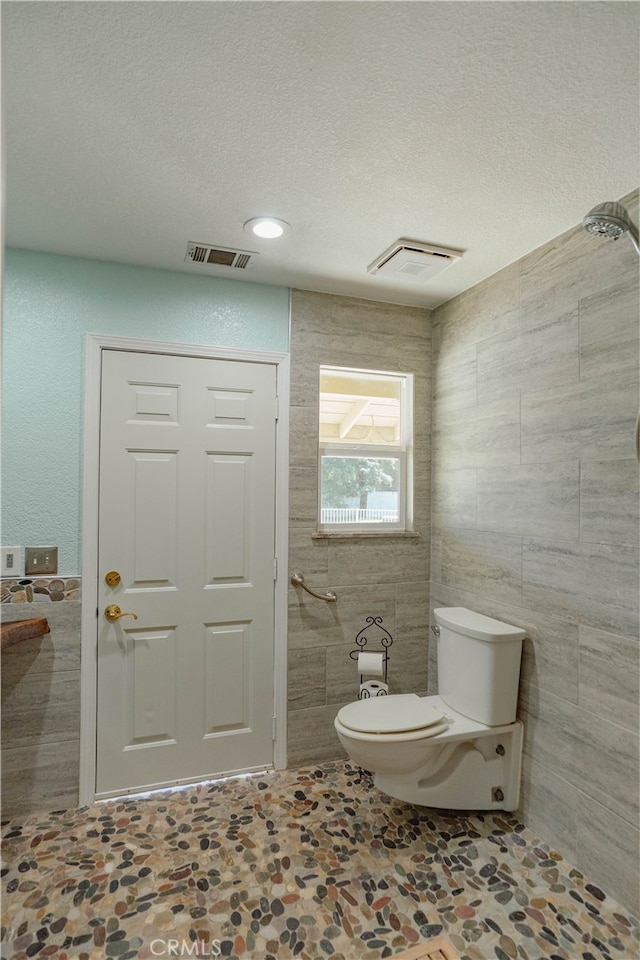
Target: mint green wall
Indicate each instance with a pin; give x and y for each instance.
(50, 303)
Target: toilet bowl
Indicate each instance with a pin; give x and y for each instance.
(460, 749)
(391, 736)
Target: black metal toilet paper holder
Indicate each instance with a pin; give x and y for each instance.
(362, 638)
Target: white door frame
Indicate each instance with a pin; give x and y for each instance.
(95, 344)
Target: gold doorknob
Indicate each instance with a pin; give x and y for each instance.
(113, 613)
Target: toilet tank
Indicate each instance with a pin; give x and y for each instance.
(478, 665)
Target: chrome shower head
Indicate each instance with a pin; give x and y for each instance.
(611, 220)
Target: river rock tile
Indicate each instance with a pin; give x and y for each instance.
(310, 863)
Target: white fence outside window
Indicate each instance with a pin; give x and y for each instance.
(355, 515)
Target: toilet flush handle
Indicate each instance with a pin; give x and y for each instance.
(435, 629)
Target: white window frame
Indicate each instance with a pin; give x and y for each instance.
(402, 451)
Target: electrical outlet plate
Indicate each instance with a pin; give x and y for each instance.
(11, 561)
(39, 560)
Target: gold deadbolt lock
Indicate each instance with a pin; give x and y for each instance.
(113, 613)
(112, 579)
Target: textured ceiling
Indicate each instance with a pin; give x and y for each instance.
(132, 128)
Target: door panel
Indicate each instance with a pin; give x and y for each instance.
(229, 483)
(150, 672)
(154, 488)
(187, 492)
(226, 674)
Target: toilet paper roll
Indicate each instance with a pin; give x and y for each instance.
(371, 663)
(373, 688)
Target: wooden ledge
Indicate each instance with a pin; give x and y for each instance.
(12, 633)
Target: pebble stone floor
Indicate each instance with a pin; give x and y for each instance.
(308, 863)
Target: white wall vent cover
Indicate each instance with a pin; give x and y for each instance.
(219, 256)
(414, 261)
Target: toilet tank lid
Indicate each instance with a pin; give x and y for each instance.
(476, 625)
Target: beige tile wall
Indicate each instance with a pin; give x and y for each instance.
(383, 576)
(41, 712)
(535, 522)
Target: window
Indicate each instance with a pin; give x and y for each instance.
(365, 454)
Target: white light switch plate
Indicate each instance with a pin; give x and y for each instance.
(11, 561)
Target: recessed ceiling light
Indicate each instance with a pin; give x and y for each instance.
(267, 228)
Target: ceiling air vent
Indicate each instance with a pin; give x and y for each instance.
(414, 261)
(219, 256)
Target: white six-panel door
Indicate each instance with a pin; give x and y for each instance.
(186, 519)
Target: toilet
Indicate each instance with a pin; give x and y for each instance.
(461, 749)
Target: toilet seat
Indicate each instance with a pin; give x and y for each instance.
(403, 716)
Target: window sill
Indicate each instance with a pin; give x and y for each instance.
(366, 534)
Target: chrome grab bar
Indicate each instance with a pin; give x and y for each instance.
(297, 580)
